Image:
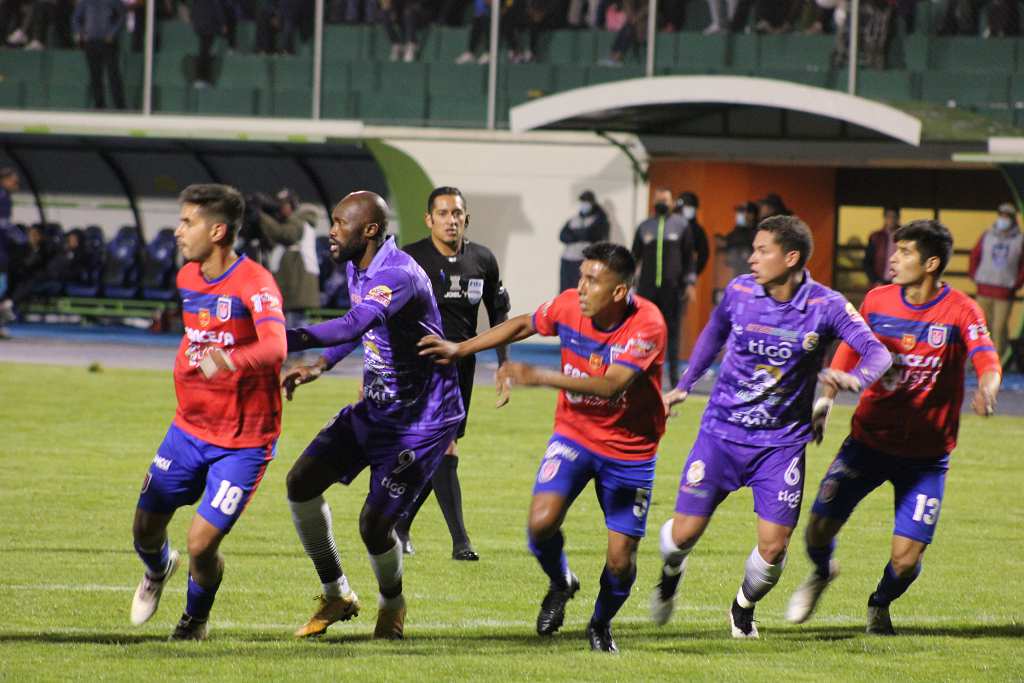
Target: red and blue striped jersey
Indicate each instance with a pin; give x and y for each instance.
(913, 411)
(240, 409)
(629, 426)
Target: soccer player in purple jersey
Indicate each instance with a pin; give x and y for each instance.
(776, 325)
(410, 412)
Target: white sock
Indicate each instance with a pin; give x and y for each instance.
(312, 519)
(673, 556)
(388, 566)
(759, 577)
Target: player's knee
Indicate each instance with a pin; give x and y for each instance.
(905, 563)
(543, 524)
(621, 566)
(144, 531)
(297, 483)
(773, 551)
(201, 549)
(819, 531)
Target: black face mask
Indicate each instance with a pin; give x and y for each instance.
(661, 208)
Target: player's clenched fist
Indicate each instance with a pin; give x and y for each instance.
(442, 350)
(300, 374)
(215, 360)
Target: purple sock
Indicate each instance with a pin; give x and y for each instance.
(552, 558)
(820, 557)
(156, 563)
(199, 599)
(614, 592)
(892, 586)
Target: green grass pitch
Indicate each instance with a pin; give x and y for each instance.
(75, 447)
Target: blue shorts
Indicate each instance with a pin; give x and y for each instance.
(858, 470)
(623, 487)
(186, 468)
(400, 464)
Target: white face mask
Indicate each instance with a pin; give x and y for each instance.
(585, 208)
(1003, 223)
(741, 219)
(689, 212)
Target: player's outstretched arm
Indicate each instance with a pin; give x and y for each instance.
(609, 385)
(444, 352)
(302, 374)
(709, 343)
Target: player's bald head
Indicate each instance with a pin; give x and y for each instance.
(363, 208)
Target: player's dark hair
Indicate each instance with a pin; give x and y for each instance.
(441, 192)
(894, 209)
(615, 256)
(792, 234)
(932, 239)
(219, 203)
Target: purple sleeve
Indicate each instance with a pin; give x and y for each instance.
(385, 295)
(849, 326)
(710, 342)
(335, 354)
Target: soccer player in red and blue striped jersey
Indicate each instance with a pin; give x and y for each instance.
(228, 418)
(906, 423)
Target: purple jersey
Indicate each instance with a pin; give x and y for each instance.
(774, 351)
(393, 307)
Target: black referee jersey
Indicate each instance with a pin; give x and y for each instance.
(461, 283)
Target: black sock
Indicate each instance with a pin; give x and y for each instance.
(449, 497)
(404, 525)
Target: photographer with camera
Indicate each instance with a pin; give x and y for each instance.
(287, 228)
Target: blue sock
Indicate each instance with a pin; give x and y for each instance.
(156, 562)
(199, 599)
(892, 586)
(552, 558)
(614, 592)
(820, 557)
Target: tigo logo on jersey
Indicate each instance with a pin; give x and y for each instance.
(223, 308)
(204, 317)
(381, 294)
(908, 341)
(937, 335)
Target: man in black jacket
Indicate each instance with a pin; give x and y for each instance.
(588, 225)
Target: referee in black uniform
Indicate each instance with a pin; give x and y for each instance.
(464, 275)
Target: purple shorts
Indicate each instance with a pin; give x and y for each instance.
(717, 467)
(400, 464)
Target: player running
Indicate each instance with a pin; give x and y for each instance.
(228, 418)
(906, 424)
(408, 417)
(775, 325)
(464, 275)
(608, 422)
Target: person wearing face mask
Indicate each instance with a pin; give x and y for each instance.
(588, 225)
(687, 206)
(881, 246)
(997, 268)
(664, 249)
(739, 243)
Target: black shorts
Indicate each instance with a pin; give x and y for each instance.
(467, 370)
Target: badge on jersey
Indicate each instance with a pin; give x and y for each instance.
(475, 290)
(223, 308)
(596, 361)
(937, 335)
(204, 317)
(908, 341)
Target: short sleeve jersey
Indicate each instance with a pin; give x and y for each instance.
(628, 426)
(233, 409)
(913, 411)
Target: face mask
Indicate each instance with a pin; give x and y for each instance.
(661, 208)
(689, 212)
(741, 219)
(585, 208)
(1003, 223)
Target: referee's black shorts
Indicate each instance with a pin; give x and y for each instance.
(467, 369)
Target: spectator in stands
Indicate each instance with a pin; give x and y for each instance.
(478, 49)
(42, 14)
(771, 205)
(997, 268)
(632, 35)
(98, 25)
(370, 13)
(722, 12)
(667, 237)
(588, 225)
(533, 17)
(584, 13)
(1003, 19)
(880, 248)
(277, 24)
(13, 23)
(292, 234)
(9, 184)
(208, 21)
(739, 243)
(402, 20)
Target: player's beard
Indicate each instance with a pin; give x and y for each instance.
(350, 252)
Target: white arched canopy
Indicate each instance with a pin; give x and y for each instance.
(658, 105)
